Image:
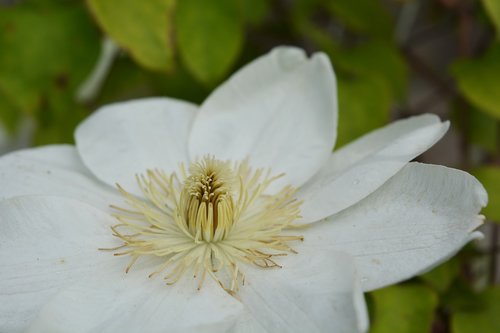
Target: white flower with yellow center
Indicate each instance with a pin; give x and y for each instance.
(232, 216)
(209, 220)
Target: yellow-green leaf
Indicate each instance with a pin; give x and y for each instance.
(479, 80)
(210, 36)
(143, 28)
(490, 178)
(403, 309)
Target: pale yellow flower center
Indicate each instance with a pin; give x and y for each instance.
(209, 221)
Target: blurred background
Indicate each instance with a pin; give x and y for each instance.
(62, 59)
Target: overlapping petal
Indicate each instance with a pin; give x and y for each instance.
(53, 170)
(47, 243)
(419, 218)
(124, 139)
(313, 292)
(280, 110)
(56, 279)
(358, 169)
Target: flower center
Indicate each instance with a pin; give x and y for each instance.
(211, 220)
(206, 200)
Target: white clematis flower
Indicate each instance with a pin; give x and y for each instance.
(239, 204)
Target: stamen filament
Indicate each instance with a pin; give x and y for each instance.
(207, 221)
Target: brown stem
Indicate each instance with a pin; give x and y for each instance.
(465, 26)
(493, 253)
(494, 249)
(442, 85)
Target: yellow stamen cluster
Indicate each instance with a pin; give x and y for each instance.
(206, 200)
(210, 220)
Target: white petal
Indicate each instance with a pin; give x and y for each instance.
(134, 303)
(45, 244)
(315, 291)
(280, 110)
(248, 324)
(124, 139)
(418, 219)
(53, 170)
(361, 167)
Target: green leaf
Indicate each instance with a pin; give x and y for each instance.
(441, 277)
(210, 36)
(403, 309)
(484, 319)
(43, 47)
(479, 80)
(490, 178)
(484, 130)
(366, 16)
(493, 9)
(364, 106)
(144, 28)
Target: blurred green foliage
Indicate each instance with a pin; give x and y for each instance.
(184, 48)
(41, 71)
